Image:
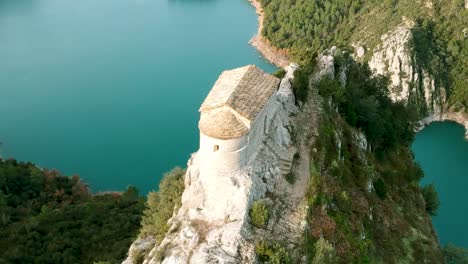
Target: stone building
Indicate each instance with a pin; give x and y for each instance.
(234, 119)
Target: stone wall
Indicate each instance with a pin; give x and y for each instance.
(235, 154)
(231, 156)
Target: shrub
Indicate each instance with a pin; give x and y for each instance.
(202, 227)
(280, 73)
(331, 88)
(259, 214)
(300, 84)
(324, 252)
(160, 205)
(139, 257)
(274, 254)
(431, 199)
(380, 189)
(455, 255)
(290, 177)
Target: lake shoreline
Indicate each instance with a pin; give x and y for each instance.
(278, 57)
(457, 117)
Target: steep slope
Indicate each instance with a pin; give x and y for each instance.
(365, 204)
(346, 196)
(420, 45)
(345, 188)
(46, 217)
(196, 235)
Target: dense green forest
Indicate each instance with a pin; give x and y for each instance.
(308, 27)
(49, 218)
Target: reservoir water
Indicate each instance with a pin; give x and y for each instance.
(110, 89)
(442, 152)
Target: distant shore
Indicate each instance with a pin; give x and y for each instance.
(274, 55)
(458, 117)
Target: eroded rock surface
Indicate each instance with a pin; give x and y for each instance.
(199, 236)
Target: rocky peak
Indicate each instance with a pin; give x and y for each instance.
(198, 236)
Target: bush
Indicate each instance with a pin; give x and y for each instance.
(380, 189)
(431, 199)
(455, 255)
(274, 254)
(324, 252)
(160, 205)
(300, 84)
(280, 73)
(259, 214)
(290, 178)
(331, 88)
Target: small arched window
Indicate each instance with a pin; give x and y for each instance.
(216, 148)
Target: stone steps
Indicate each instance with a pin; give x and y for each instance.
(284, 160)
(287, 159)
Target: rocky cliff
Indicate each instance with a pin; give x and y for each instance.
(329, 199)
(393, 58)
(196, 236)
(410, 82)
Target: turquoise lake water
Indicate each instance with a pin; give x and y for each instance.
(442, 152)
(110, 89)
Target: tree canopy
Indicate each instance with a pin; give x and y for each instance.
(50, 218)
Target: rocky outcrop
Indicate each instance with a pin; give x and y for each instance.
(198, 236)
(393, 58)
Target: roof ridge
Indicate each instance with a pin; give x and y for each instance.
(231, 97)
(238, 116)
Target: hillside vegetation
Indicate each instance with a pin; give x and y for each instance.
(365, 202)
(49, 218)
(308, 27)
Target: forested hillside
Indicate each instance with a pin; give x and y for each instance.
(363, 207)
(308, 27)
(365, 201)
(49, 218)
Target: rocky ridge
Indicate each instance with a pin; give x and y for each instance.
(196, 236)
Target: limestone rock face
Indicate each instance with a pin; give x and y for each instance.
(326, 64)
(360, 51)
(393, 58)
(199, 233)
